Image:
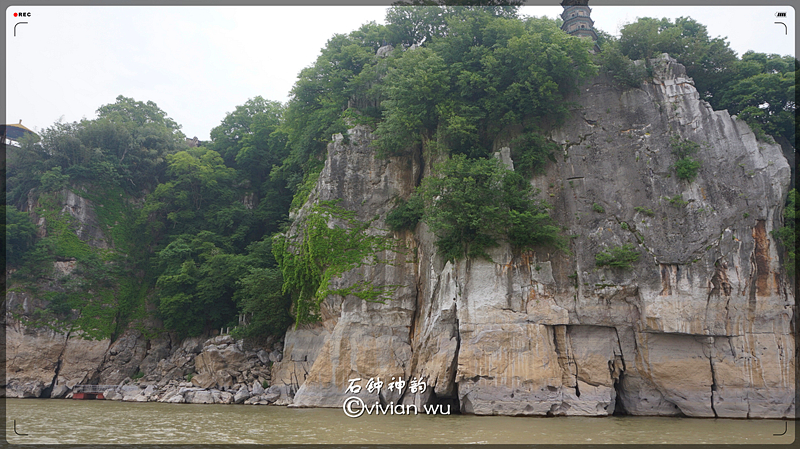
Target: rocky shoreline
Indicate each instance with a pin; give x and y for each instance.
(186, 392)
(219, 370)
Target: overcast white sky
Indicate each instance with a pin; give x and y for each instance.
(199, 63)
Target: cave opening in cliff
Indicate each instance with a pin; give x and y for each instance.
(450, 401)
(619, 407)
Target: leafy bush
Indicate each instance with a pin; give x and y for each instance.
(677, 201)
(618, 257)
(481, 74)
(259, 294)
(598, 208)
(686, 167)
(531, 151)
(406, 214)
(473, 203)
(787, 235)
(53, 180)
(648, 212)
(621, 69)
(20, 235)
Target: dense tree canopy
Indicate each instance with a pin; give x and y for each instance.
(484, 73)
(758, 87)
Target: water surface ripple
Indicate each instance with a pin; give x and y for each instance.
(97, 422)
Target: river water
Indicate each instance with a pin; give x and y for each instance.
(97, 422)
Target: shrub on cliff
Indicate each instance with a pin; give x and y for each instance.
(406, 213)
(617, 257)
(620, 68)
(686, 167)
(787, 235)
(473, 204)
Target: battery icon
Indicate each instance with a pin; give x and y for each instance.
(780, 14)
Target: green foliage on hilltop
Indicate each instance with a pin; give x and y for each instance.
(345, 74)
(481, 74)
(125, 147)
(758, 87)
(620, 68)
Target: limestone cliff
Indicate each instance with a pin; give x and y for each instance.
(702, 325)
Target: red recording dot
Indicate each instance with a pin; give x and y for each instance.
(15, 14)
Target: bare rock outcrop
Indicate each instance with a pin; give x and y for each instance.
(701, 325)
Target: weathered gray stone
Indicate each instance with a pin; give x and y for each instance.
(176, 399)
(549, 333)
(275, 356)
(257, 389)
(59, 391)
(271, 397)
(112, 395)
(201, 397)
(218, 366)
(224, 398)
(241, 395)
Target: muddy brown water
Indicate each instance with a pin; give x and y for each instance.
(96, 422)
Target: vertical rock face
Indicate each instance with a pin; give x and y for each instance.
(361, 337)
(700, 326)
(39, 359)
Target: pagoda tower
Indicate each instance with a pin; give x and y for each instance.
(578, 21)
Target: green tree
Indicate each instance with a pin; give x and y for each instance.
(199, 196)
(342, 75)
(759, 88)
(484, 74)
(197, 282)
(709, 61)
(621, 69)
(472, 205)
(618, 257)
(20, 235)
(766, 98)
(414, 25)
